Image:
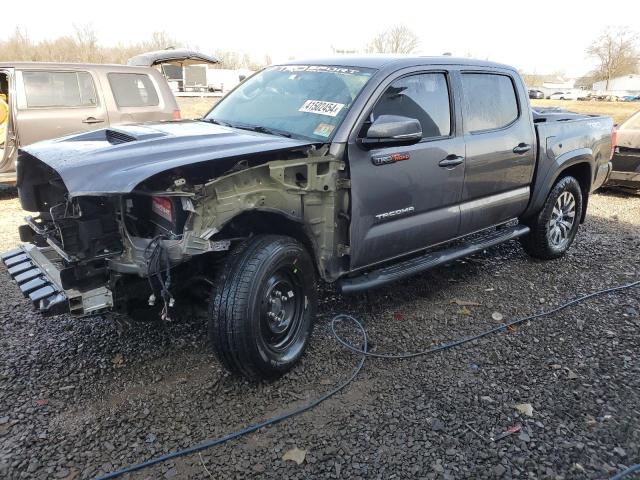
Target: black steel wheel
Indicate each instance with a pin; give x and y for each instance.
(261, 313)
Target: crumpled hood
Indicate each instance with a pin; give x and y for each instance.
(115, 160)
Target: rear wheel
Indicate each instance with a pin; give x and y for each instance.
(554, 228)
(261, 313)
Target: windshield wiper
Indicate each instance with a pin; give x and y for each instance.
(252, 128)
(213, 120)
(261, 129)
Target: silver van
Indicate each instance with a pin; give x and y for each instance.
(40, 101)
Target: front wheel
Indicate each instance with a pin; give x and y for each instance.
(554, 228)
(261, 313)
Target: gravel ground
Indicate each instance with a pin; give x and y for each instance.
(83, 397)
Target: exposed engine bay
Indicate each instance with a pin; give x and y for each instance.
(138, 247)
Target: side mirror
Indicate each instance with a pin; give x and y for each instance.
(389, 130)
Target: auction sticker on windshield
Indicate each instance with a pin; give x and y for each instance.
(322, 108)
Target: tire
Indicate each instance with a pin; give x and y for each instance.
(262, 309)
(553, 229)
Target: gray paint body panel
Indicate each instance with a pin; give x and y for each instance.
(563, 144)
(89, 165)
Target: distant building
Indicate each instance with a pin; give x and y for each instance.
(585, 82)
(627, 84)
(550, 84)
(550, 81)
(561, 85)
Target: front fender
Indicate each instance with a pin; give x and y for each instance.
(310, 192)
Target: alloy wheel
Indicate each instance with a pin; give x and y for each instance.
(562, 220)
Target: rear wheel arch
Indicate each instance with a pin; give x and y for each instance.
(554, 226)
(583, 173)
(579, 167)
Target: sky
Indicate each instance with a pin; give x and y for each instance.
(536, 36)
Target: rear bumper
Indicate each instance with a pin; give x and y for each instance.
(624, 179)
(626, 168)
(36, 270)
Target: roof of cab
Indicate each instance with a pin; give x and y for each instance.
(379, 61)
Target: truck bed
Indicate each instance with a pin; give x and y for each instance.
(569, 138)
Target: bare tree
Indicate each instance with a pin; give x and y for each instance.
(228, 59)
(617, 53)
(531, 79)
(234, 60)
(18, 44)
(84, 47)
(161, 41)
(397, 39)
(87, 43)
(81, 47)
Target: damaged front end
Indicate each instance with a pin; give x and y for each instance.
(90, 253)
(62, 266)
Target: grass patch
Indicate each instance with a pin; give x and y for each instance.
(194, 107)
(620, 111)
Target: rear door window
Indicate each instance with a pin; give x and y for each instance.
(133, 90)
(424, 97)
(59, 89)
(490, 101)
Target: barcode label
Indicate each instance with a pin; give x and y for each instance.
(322, 108)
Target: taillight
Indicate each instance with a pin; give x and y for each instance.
(176, 115)
(163, 207)
(614, 140)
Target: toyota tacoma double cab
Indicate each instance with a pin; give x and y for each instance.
(359, 171)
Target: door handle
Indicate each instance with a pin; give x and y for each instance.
(451, 161)
(522, 148)
(92, 120)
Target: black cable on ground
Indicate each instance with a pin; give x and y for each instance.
(364, 353)
(632, 469)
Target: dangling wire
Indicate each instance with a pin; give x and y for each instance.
(155, 256)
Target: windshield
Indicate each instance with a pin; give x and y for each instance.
(303, 101)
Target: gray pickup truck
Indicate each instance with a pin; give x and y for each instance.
(356, 170)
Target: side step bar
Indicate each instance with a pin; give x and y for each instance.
(406, 268)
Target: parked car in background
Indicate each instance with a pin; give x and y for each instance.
(626, 157)
(630, 98)
(50, 100)
(536, 94)
(567, 95)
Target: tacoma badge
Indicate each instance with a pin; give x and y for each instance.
(395, 213)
